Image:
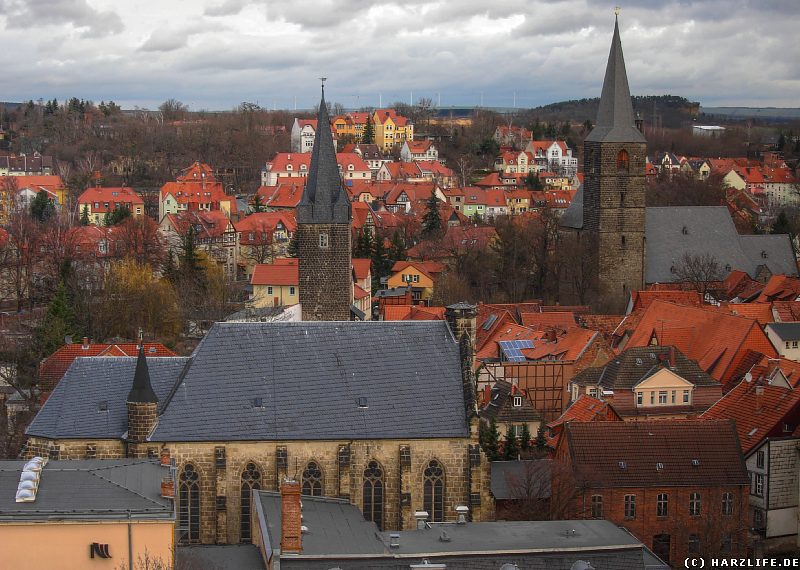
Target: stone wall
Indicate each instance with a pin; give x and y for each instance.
(782, 478)
(614, 216)
(326, 290)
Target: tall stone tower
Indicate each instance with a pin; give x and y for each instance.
(614, 157)
(323, 228)
(142, 404)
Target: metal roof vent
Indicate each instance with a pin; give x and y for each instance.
(394, 540)
(659, 466)
(462, 511)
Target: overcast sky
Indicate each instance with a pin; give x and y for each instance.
(214, 54)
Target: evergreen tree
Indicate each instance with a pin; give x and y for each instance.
(541, 440)
(293, 248)
(525, 438)
(257, 205)
(364, 244)
(491, 445)
(368, 136)
(41, 207)
(189, 260)
(781, 225)
(170, 271)
(117, 215)
(397, 251)
(380, 262)
(533, 182)
(510, 447)
(85, 215)
(59, 322)
(781, 142)
(432, 221)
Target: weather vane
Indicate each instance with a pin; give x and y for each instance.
(323, 83)
(617, 10)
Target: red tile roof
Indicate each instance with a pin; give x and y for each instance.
(361, 267)
(586, 409)
(655, 453)
(280, 272)
(491, 349)
(568, 347)
(781, 288)
(786, 311)
(413, 313)
(760, 411)
(740, 284)
(765, 368)
(208, 224)
(285, 194)
(716, 340)
(431, 269)
(761, 312)
(107, 199)
(551, 320)
(643, 299)
(53, 368)
(419, 147)
(263, 221)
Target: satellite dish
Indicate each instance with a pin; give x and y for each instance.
(748, 377)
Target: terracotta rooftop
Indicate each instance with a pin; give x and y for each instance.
(413, 313)
(759, 411)
(52, 368)
(280, 272)
(661, 453)
(570, 346)
(781, 288)
(586, 409)
(716, 340)
(361, 267)
(643, 299)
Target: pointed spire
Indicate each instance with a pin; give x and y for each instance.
(324, 199)
(615, 120)
(142, 390)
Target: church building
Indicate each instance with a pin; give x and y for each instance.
(382, 413)
(617, 244)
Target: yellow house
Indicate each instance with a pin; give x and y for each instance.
(391, 129)
(276, 284)
(350, 125)
(662, 390)
(96, 513)
(420, 275)
(518, 201)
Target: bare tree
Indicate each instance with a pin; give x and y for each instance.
(701, 270)
(542, 489)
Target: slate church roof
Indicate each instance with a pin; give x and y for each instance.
(324, 200)
(278, 381)
(615, 121)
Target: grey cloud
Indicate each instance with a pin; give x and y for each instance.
(164, 40)
(227, 8)
(27, 14)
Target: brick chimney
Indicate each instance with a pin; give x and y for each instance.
(291, 518)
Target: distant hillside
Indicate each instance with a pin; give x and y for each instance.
(671, 110)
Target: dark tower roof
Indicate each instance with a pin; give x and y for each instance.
(324, 199)
(615, 120)
(142, 390)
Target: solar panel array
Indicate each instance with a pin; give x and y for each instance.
(511, 349)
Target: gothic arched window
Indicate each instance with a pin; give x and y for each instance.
(251, 479)
(373, 493)
(434, 491)
(312, 480)
(189, 504)
(623, 160)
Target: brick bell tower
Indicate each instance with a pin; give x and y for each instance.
(614, 157)
(142, 404)
(324, 220)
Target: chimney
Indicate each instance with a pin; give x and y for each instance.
(291, 518)
(759, 394)
(421, 517)
(462, 320)
(85, 343)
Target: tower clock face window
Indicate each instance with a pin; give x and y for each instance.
(324, 241)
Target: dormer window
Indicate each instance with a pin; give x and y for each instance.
(764, 254)
(517, 401)
(685, 231)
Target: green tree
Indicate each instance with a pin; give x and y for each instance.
(397, 251)
(510, 445)
(525, 438)
(85, 215)
(58, 323)
(117, 215)
(368, 136)
(781, 225)
(257, 205)
(41, 207)
(432, 220)
(533, 182)
(541, 440)
(364, 244)
(293, 246)
(491, 445)
(380, 262)
(188, 256)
